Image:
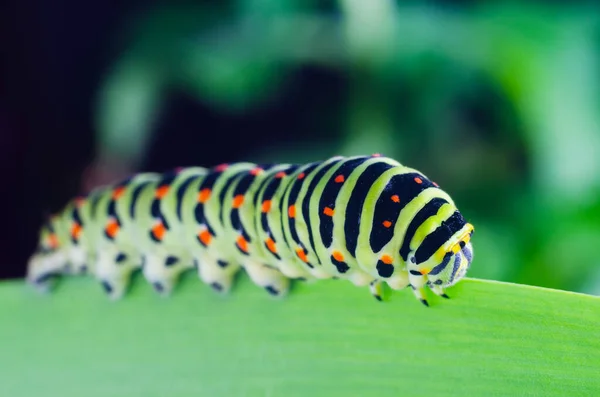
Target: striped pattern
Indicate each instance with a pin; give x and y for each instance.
(366, 219)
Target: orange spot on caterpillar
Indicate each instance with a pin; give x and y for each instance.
(292, 211)
(161, 191)
(424, 271)
(387, 224)
(205, 237)
(301, 254)
(301, 175)
(339, 179)
(256, 171)
(76, 230)
(395, 198)
(159, 231)
(221, 167)
(79, 201)
(204, 195)
(112, 228)
(266, 206)
(328, 211)
(242, 243)
(271, 245)
(418, 180)
(338, 256)
(238, 201)
(280, 174)
(118, 192)
(53, 241)
(387, 259)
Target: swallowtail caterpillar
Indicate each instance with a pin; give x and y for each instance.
(366, 219)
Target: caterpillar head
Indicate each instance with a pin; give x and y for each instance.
(456, 257)
(48, 259)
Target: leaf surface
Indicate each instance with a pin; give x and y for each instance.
(325, 339)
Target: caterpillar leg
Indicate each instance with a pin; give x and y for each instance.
(439, 291)
(217, 273)
(42, 270)
(272, 280)
(398, 282)
(376, 288)
(113, 271)
(164, 271)
(79, 261)
(417, 284)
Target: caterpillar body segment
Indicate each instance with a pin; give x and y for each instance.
(365, 219)
(160, 230)
(267, 222)
(48, 260)
(256, 252)
(115, 245)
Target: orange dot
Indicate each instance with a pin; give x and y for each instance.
(396, 198)
(271, 245)
(242, 243)
(204, 195)
(79, 201)
(301, 254)
(387, 259)
(302, 175)
(266, 206)
(328, 211)
(161, 191)
(387, 224)
(112, 228)
(238, 201)
(159, 231)
(418, 180)
(118, 192)
(424, 271)
(338, 256)
(292, 211)
(280, 174)
(53, 241)
(76, 230)
(221, 167)
(339, 179)
(205, 237)
(256, 171)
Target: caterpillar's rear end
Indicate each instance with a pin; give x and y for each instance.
(366, 219)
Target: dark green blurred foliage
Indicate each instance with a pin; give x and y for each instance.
(497, 103)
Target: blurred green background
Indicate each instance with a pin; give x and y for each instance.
(498, 102)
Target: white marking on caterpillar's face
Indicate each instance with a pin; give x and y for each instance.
(459, 264)
(453, 267)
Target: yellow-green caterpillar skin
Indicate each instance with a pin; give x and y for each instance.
(366, 219)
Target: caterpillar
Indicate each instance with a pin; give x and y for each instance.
(366, 219)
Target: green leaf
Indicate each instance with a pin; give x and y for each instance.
(325, 339)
